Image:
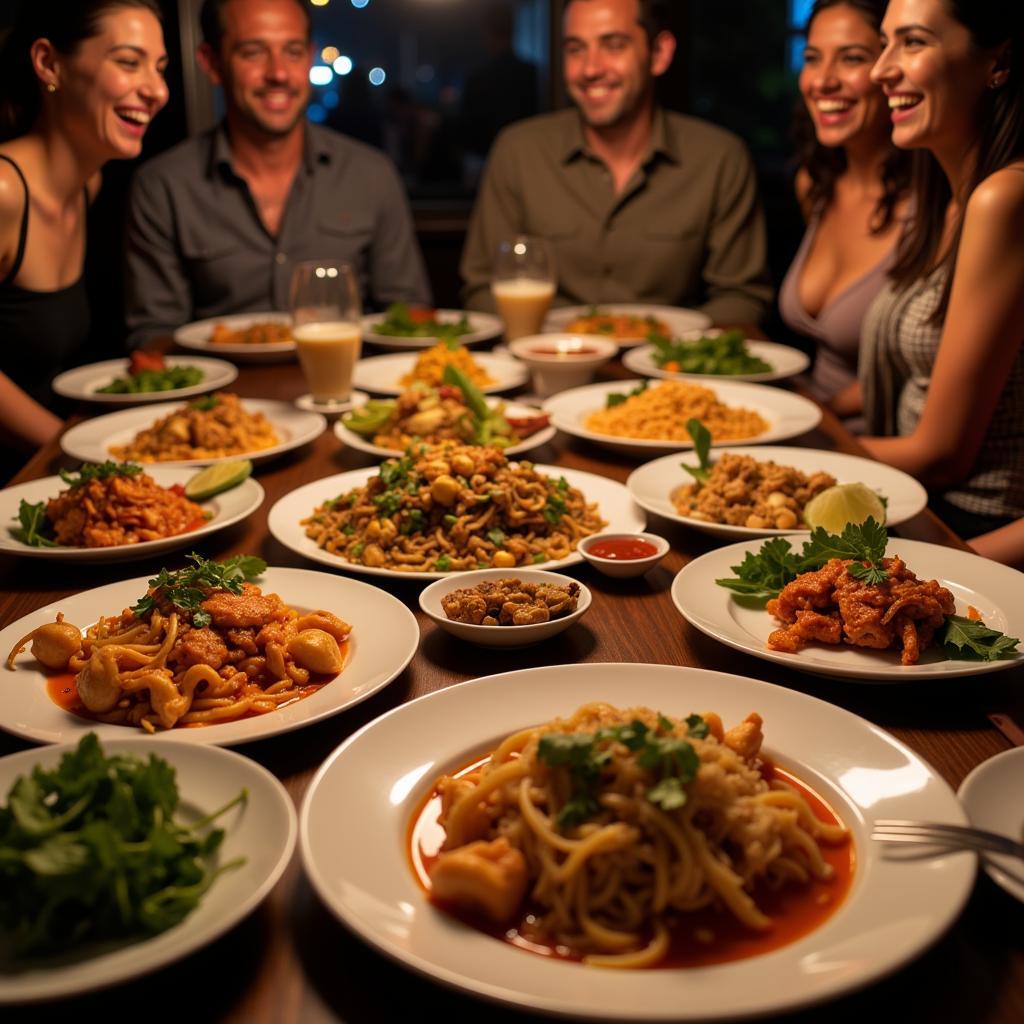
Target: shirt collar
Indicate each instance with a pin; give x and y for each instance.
(314, 150)
(663, 142)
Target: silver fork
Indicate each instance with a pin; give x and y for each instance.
(961, 837)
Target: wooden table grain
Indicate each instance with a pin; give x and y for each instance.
(291, 962)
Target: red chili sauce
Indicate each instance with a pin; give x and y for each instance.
(622, 549)
(698, 939)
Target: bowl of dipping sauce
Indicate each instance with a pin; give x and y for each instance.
(624, 554)
(562, 361)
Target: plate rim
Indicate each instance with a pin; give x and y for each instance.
(506, 995)
(44, 989)
(361, 475)
(237, 733)
(881, 675)
(770, 452)
(312, 423)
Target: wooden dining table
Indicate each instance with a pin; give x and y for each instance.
(292, 962)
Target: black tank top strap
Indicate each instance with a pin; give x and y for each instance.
(23, 233)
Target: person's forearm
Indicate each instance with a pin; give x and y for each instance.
(23, 418)
(1004, 545)
(847, 402)
(935, 469)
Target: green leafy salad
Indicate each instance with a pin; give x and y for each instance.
(721, 354)
(404, 321)
(91, 850)
(148, 381)
(763, 575)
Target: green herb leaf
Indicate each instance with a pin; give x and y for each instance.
(765, 574)
(187, 588)
(99, 471)
(972, 639)
(33, 522)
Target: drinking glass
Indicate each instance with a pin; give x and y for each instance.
(326, 326)
(523, 284)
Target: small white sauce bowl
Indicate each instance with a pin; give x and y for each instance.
(566, 367)
(621, 568)
(501, 636)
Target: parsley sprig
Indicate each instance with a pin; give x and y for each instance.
(187, 588)
(763, 575)
(670, 759)
(99, 471)
(971, 639)
(34, 528)
(702, 447)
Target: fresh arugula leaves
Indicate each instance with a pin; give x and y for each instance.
(971, 639)
(90, 850)
(187, 588)
(702, 446)
(34, 526)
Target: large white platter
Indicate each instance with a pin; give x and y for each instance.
(783, 360)
(485, 326)
(284, 519)
(382, 374)
(675, 318)
(196, 336)
(993, 589)
(225, 508)
(378, 777)
(262, 830)
(362, 444)
(384, 639)
(82, 382)
(652, 484)
(993, 796)
(92, 440)
(787, 415)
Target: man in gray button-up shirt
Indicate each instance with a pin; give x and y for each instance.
(217, 224)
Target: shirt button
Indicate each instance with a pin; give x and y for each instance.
(281, 258)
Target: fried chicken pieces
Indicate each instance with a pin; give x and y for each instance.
(831, 606)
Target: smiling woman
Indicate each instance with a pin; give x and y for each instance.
(80, 80)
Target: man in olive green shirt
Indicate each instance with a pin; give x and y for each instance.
(639, 204)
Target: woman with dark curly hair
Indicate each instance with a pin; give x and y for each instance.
(852, 186)
(80, 81)
(942, 361)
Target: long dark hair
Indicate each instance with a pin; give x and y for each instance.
(1000, 140)
(825, 164)
(67, 24)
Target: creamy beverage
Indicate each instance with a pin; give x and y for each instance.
(328, 353)
(522, 303)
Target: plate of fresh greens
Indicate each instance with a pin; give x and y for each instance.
(404, 325)
(729, 593)
(143, 378)
(123, 857)
(715, 353)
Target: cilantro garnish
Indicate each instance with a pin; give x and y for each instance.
(971, 639)
(99, 471)
(187, 588)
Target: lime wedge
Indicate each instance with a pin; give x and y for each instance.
(842, 504)
(215, 479)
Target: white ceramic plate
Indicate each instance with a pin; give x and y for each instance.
(993, 796)
(226, 508)
(262, 831)
(384, 639)
(361, 444)
(484, 327)
(786, 414)
(783, 360)
(675, 318)
(613, 503)
(379, 776)
(92, 440)
(501, 636)
(382, 374)
(652, 484)
(196, 336)
(82, 382)
(992, 588)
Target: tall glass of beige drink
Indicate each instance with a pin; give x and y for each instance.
(523, 284)
(326, 313)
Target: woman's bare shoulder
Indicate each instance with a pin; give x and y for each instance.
(999, 196)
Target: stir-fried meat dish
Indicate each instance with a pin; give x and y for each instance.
(831, 606)
(510, 602)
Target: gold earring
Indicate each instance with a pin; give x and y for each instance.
(51, 86)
